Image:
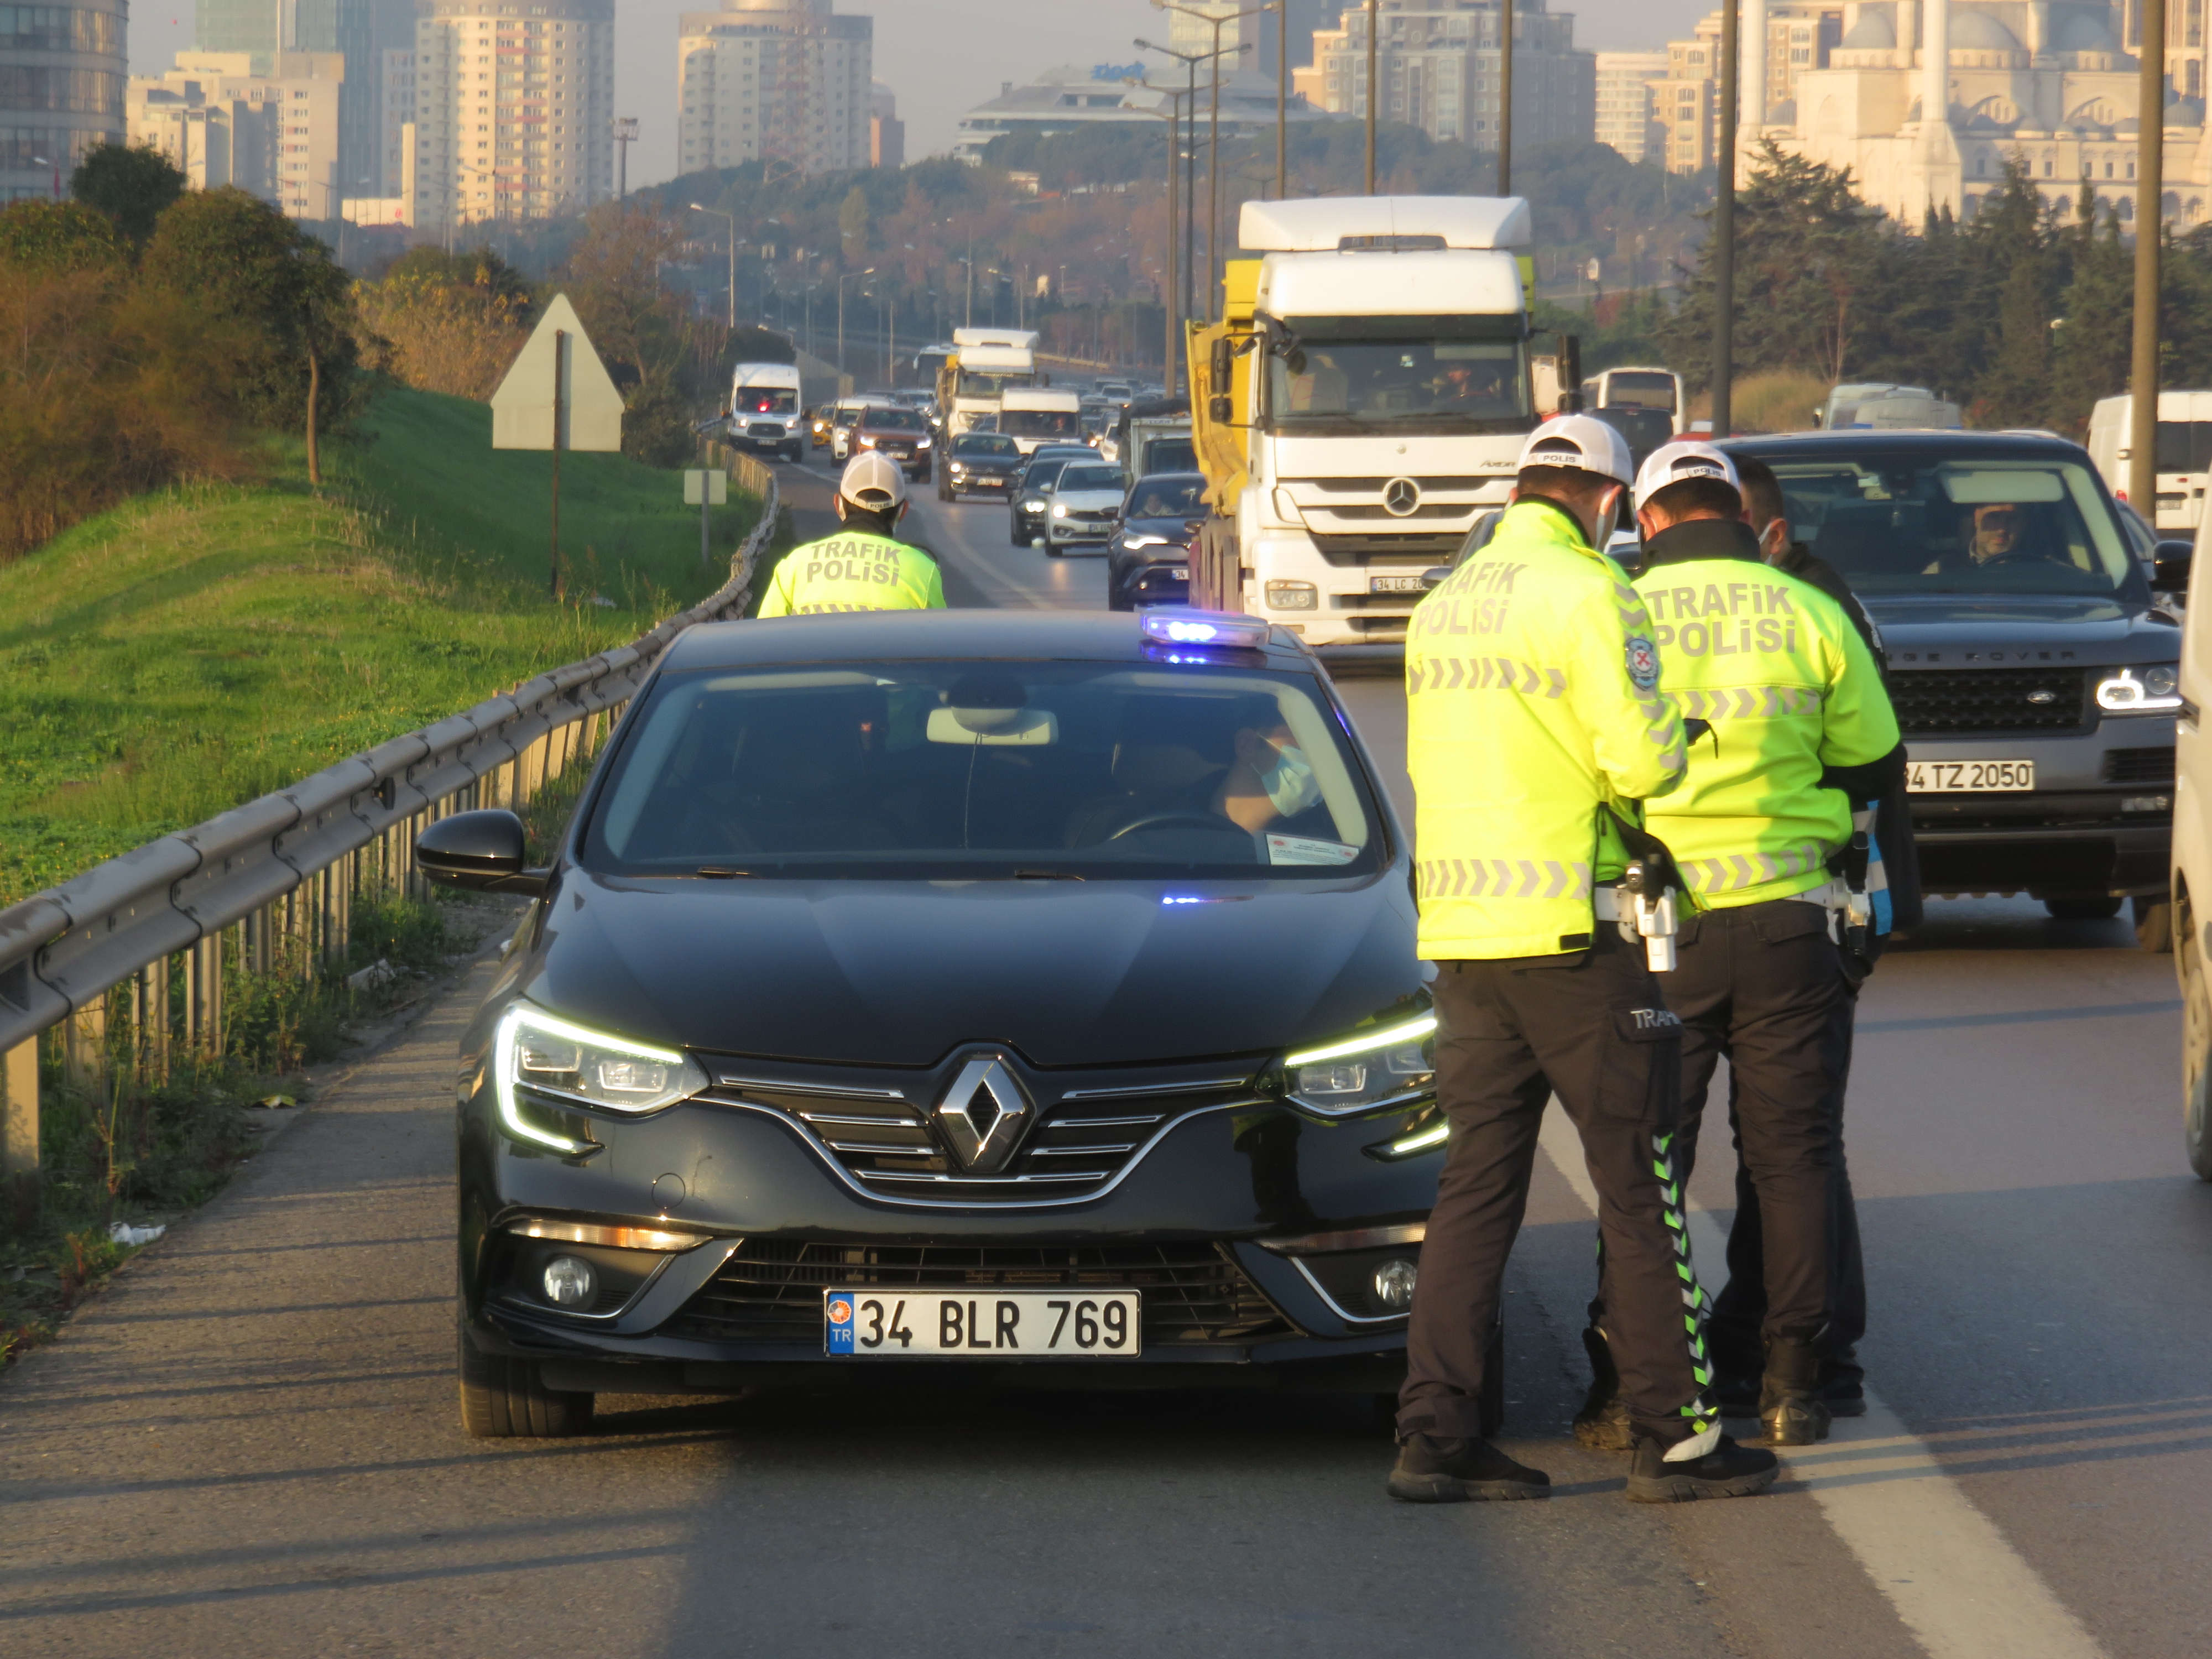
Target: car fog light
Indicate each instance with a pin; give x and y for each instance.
(1293, 596)
(1394, 1284)
(569, 1281)
(2147, 804)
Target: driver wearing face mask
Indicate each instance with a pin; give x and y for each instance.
(1271, 781)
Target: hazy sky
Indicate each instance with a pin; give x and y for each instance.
(941, 56)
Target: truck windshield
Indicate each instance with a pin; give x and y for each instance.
(1640, 389)
(978, 383)
(767, 400)
(1894, 522)
(1427, 384)
(1041, 422)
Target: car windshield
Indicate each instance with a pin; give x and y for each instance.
(1040, 423)
(1167, 498)
(984, 769)
(978, 383)
(895, 420)
(1041, 474)
(1170, 455)
(985, 443)
(767, 400)
(1640, 389)
(1350, 382)
(1897, 522)
(1092, 478)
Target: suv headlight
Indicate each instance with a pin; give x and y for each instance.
(1060, 509)
(2152, 691)
(548, 1055)
(1392, 1064)
(1034, 504)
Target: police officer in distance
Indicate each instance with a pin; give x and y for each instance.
(1801, 729)
(862, 567)
(1533, 719)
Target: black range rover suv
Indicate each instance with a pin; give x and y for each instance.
(2033, 670)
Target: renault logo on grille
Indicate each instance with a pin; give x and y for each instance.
(983, 1115)
(1400, 497)
(2042, 699)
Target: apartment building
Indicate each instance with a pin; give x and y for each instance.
(1686, 95)
(63, 75)
(274, 133)
(788, 79)
(513, 109)
(1625, 116)
(1437, 65)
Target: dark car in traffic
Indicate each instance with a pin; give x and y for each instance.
(983, 463)
(2034, 670)
(947, 995)
(1148, 560)
(1028, 502)
(900, 432)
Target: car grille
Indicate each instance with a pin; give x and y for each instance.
(1084, 1137)
(1422, 549)
(770, 1291)
(1945, 700)
(2139, 766)
(1091, 515)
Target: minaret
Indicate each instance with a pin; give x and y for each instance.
(1752, 120)
(1936, 169)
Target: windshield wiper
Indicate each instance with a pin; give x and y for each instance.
(722, 872)
(1049, 875)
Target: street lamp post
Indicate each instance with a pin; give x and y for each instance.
(1213, 129)
(1170, 311)
(2150, 203)
(1505, 97)
(732, 218)
(849, 277)
(1191, 61)
(1372, 91)
(1725, 223)
(625, 132)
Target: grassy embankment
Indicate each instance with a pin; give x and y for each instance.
(200, 646)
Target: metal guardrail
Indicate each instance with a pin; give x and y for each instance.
(287, 865)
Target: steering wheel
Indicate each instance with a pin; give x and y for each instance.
(1186, 816)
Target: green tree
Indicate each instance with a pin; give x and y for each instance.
(2089, 357)
(242, 262)
(132, 183)
(58, 237)
(853, 218)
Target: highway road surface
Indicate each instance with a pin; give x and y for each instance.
(249, 1447)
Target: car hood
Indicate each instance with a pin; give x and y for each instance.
(1964, 630)
(1088, 498)
(1173, 527)
(900, 974)
(998, 464)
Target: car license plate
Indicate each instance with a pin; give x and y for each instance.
(1982, 776)
(1176, 571)
(1069, 1324)
(1397, 585)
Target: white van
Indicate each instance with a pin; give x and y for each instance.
(2184, 453)
(1041, 415)
(764, 409)
(1884, 406)
(1638, 387)
(2191, 863)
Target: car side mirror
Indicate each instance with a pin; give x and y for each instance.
(1436, 573)
(482, 851)
(2169, 565)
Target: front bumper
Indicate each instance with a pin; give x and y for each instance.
(1182, 1225)
(1346, 611)
(2099, 821)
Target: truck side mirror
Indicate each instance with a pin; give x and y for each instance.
(1571, 375)
(1218, 407)
(2169, 565)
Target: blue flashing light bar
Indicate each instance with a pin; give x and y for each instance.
(1173, 625)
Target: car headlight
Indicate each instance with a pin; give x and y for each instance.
(1293, 596)
(1140, 539)
(955, 466)
(1035, 504)
(866, 442)
(921, 443)
(2152, 691)
(1391, 1066)
(1060, 509)
(546, 1054)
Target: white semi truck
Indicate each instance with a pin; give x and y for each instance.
(1364, 401)
(1034, 415)
(984, 363)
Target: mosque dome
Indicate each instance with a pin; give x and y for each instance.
(2085, 32)
(1874, 32)
(1977, 31)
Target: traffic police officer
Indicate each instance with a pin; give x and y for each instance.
(861, 568)
(1801, 727)
(1535, 727)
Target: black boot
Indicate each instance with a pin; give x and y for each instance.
(1736, 1396)
(1843, 1383)
(1727, 1471)
(1790, 1408)
(1602, 1423)
(1431, 1470)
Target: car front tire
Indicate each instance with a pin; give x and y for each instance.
(2195, 1045)
(2153, 919)
(504, 1398)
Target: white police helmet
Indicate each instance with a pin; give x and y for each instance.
(1582, 442)
(872, 482)
(1678, 463)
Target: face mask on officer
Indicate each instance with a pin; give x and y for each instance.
(1272, 780)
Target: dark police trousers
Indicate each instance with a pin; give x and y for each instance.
(1592, 1027)
(1763, 985)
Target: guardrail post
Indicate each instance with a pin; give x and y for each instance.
(18, 1131)
(153, 1019)
(84, 1042)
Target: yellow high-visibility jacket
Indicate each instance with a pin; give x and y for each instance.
(1789, 687)
(853, 570)
(1532, 698)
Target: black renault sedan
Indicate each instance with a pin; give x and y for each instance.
(2034, 671)
(1148, 560)
(1023, 998)
(980, 463)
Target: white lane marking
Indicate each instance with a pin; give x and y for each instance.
(1953, 1578)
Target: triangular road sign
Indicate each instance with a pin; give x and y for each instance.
(590, 408)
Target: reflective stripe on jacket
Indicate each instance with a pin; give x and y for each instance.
(1531, 699)
(853, 570)
(1790, 686)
